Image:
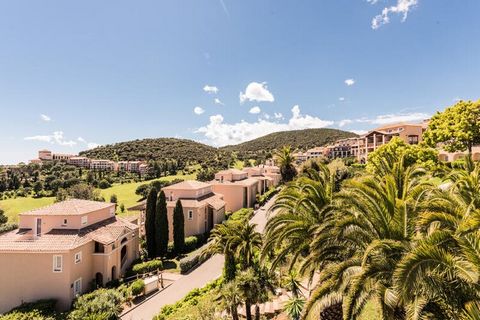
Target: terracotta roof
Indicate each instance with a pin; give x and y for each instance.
(231, 171)
(214, 200)
(104, 232)
(187, 185)
(70, 207)
(243, 182)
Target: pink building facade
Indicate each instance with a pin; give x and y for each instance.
(64, 250)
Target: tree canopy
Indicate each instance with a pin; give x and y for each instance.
(457, 128)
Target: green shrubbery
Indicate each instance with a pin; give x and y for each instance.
(240, 215)
(147, 266)
(190, 299)
(101, 304)
(38, 310)
(191, 261)
(262, 199)
(137, 287)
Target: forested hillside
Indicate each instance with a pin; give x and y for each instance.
(181, 150)
(298, 139)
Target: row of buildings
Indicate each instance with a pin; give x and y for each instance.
(93, 164)
(360, 147)
(68, 248)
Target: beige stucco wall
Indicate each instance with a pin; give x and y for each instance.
(29, 276)
(175, 194)
(233, 194)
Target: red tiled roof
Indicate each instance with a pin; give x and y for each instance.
(70, 207)
(104, 232)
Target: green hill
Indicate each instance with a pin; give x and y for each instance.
(190, 151)
(154, 149)
(298, 139)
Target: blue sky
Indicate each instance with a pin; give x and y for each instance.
(74, 74)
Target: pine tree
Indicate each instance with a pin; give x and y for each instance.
(161, 225)
(178, 228)
(150, 222)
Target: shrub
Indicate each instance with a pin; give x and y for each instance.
(44, 307)
(104, 184)
(191, 261)
(137, 287)
(191, 243)
(241, 215)
(147, 266)
(102, 304)
(266, 196)
(8, 227)
(113, 198)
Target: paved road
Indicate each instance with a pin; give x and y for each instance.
(208, 271)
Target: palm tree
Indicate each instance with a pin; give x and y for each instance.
(219, 243)
(293, 307)
(230, 296)
(443, 268)
(285, 159)
(302, 210)
(245, 242)
(375, 227)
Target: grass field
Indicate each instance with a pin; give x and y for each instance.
(125, 194)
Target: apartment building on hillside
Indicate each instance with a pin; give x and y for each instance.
(81, 162)
(61, 250)
(202, 208)
(369, 142)
(238, 190)
(102, 165)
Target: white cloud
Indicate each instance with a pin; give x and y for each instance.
(255, 110)
(341, 99)
(402, 7)
(256, 92)
(45, 118)
(81, 140)
(219, 133)
(218, 101)
(198, 110)
(395, 117)
(266, 116)
(344, 122)
(210, 89)
(350, 82)
(278, 115)
(54, 138)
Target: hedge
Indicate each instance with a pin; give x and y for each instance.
(8, 227)
(137, 287)
(191, 261)
(147, 266)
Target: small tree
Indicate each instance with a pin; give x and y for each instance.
(3, 217)
(150, 222)
(161, 225)
(113, 198)
(457, 128)
(122, 208)
(178, 228)
(38, 187)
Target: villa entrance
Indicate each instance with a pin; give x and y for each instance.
(210, 219)
(123, 252)
(114, 273)
(99, 279)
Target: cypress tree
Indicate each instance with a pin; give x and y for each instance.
(161, 225)
(150, 222)
(178, 228)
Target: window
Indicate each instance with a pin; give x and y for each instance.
(190, 215)
(78, 257)
(84, 220)
(77, 287)
(57, 263)
(64, 224)
(39, 227)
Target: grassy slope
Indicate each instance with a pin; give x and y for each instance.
(125, 194)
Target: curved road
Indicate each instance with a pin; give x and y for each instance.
(208, 271)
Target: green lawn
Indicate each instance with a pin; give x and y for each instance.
(125, 194)
(13, 207)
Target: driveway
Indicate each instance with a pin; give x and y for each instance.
(207, 272)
